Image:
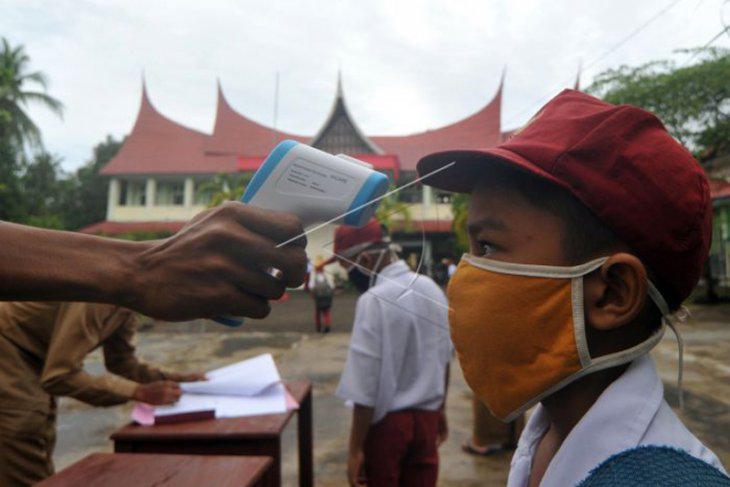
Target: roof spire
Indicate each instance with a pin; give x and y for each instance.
(340, 93)
(577, 78)
(222, 100)
(339, 115)
(144, 87)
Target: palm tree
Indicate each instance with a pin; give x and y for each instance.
(393, 213)
(15, 125)
(224, 187)
(459, 208)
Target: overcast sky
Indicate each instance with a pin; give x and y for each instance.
(407, 65)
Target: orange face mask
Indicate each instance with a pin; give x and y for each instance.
(519, 331)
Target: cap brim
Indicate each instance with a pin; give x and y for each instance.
(469, 166)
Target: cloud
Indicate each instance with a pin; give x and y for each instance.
(407, 65)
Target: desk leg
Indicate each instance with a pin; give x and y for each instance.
(275, 477)
(306, 452)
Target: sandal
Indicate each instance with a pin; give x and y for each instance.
(483, 451)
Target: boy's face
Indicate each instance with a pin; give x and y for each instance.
(502, 225)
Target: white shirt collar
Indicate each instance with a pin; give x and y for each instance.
(617, 421)
(391, 271)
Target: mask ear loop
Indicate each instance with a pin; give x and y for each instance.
(374, 272)
(671, 319)
(394, 250)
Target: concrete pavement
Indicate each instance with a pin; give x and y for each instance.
(300, 353)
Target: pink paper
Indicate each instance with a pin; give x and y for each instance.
(291, 403)
(144, 414)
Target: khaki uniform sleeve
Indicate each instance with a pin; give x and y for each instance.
(120, 359)
(79, 329)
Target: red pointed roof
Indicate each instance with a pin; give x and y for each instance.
(158, 145)
(341, 122)
(479, 130)
(234, 134)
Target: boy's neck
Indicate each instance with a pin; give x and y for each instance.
(567, 406)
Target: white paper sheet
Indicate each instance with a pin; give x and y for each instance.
(271, 401)
(246, 378)
(248, 388)
(188, 403)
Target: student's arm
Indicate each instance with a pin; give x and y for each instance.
(120, 357)
(217, 264)
(443, 432)
(76, 333)
(360, 378)
(361, 417)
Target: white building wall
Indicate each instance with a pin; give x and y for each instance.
(189, 192)
(150, 192)
(151, 211)
(320, 242)
(112, 200)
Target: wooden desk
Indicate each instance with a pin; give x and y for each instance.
(254, 435)
(123, 470)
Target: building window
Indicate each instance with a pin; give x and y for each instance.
(170, 193)
(444, 197)
(411, 194)
(132, 193)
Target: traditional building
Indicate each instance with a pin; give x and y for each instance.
(157, 181)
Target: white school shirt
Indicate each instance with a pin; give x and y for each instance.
(400, 345)
(631, 412)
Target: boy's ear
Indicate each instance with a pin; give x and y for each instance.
(615, 294)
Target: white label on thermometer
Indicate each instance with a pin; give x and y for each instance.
(305, 178)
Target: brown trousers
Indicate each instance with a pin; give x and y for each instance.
(27, 420)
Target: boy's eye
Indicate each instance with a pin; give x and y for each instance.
(485, 248)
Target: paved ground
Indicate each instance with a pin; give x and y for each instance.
(300, 353)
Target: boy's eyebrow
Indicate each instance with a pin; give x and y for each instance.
(486, 223)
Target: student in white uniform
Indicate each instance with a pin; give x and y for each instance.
(397, 364)
(588, 228)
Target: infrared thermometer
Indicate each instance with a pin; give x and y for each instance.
(315, 186)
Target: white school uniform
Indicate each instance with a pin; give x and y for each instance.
(400, 345)
(631, 412)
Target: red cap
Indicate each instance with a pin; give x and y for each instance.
(621, 162)
(349, 241)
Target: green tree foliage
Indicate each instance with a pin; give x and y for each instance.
(459, 208)
(393, 213)
(224, 187)
(43, 190)
(141, 235)
(17, 130)
(15, 76)
(50, 198)
(693, 101)
(11, 204)
(87, 190)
